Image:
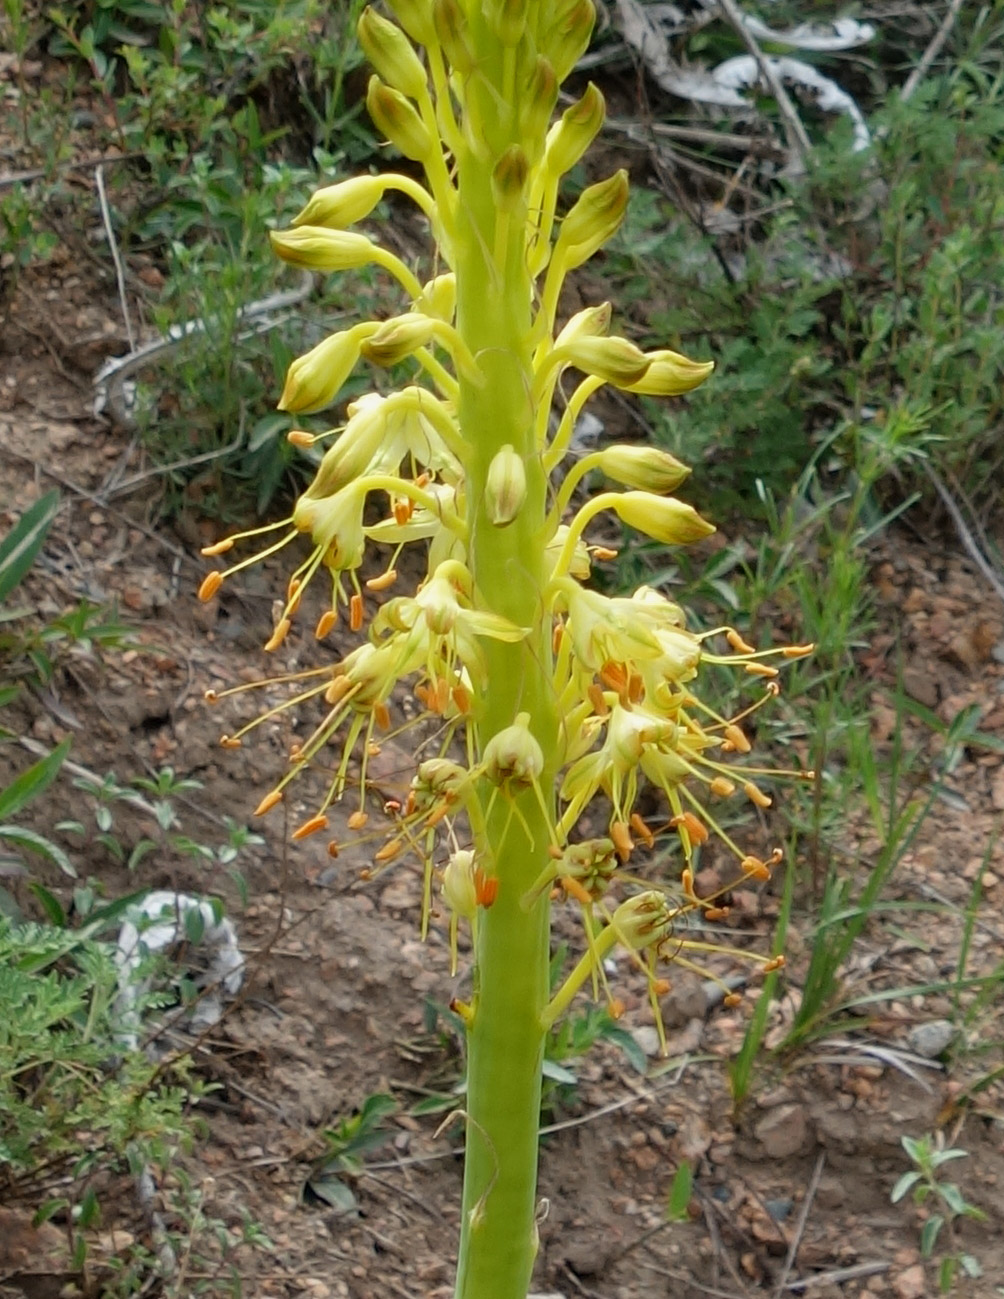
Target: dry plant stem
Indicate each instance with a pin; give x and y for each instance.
(798, 139)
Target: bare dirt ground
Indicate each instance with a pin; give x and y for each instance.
(791, 1195)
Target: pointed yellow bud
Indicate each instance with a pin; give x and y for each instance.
(663, 518)
(570, 137)
(314, 380)
(537, 104)
(514, 754)
(646, 468)
(439, 298)
(669, 374)
(507, 19)
(451, 31)
(391, 53)
(394, 116)
(341, 205)
(614, 360)
(415, 16)
(509, 178)
(569, 36)
(505, 486)
(317, 248)
(593, 220)
(591, 322)
(398, 337)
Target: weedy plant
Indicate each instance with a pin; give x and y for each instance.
(550, 701)
(928, 1155)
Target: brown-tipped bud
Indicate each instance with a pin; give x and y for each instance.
(569, 36)
(507, 20)
(394, 116)
(316, 248)
(593, 220)
(614, 360)
(572, 135)
(391, 53)
(537, 104)
(398, 338)
(451, 31)
(509, 178)
(505, 486)
(663, 518)
(646, 468)
(211, 583)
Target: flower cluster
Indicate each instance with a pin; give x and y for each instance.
(621, 671)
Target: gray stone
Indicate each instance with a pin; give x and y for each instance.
(931, 1039)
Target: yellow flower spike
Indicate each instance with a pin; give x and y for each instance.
(505, 487)
(394, 116)
(391, 54)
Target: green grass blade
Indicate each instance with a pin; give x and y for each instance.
(20, 546)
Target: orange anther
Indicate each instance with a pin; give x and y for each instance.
(755, 868)
(722, 787)
(381, 715)
(356, 612)
(635, 688)
(738, 644)
(687, 884)
(575, 890)
(292, 586)
(461, 698)
(621, 836)
(614, 675)
(557, 636)
(404, 507)
(333, 848)
(697, 830)
(642, 830)
(389, 851)
(211, 583)
(268, 802)
(278, 636)
(318, 822)
(325, 623)
(759, 670)
(661, 986)
(298, 437)
(436, 815)
(789, 651)
(218, 547)
(615, 1007)
(737, 739)
(716, 913)
(229, 742)
(756, 795)
(423, 479)
(604, 552)
(358, 819)
(732, 999)
(776, 964)
(595, 693)
(442, 695)
(486, 888)
(554, 852)
(211, 697)
(339, 688)
(382, 582)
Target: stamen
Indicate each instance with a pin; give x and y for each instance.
(319, 822)
(759, 670)
(358, 819)
(211, 583)
(218, 548)
(389, 851)
(603, 553)
(298, 437)
(789, 651)
(737, 739)
(722, 786)
(278, 636)
(325, 623)
(229, 742)
(356, 612)
(268, 802)
(621, 836)
(381, 583)
(737, 642)
(333, 848)
(756, 795)
(381, 715)
(642, 830)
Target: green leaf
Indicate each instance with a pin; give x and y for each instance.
(89, 1209)
(929, 1234)
(628, 1043)
(970, 1265)
(903, 1185)
(946, 1273)
(559, 1074)
(952, 1197)
(30, 783)
(50, 904)
(195, 924)
(679, 1194)
(20, 546)
(38, 843)
(333, 1192)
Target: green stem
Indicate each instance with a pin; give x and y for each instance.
(506, 1032)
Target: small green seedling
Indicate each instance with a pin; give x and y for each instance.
(928, 1155)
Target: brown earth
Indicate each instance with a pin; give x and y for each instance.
(791, 1195)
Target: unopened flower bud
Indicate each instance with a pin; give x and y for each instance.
(507, 19)
(505, 486)
(614, 360)
(593, 220)
(317, 248)
(647, 468)
(391, 53)
(590, 322)
(663, 518)
(570, 137)
(537, 104)
(451, 24)
(415, 16)
(569, 36)
(350, 456)
(439, 298)
(314, 380)
(397, 338)
(459, 885)
(669, 374)
(394, 116)
(441, 777)
(341, 205)
(514, 754)
(642, 920)
(509, 178)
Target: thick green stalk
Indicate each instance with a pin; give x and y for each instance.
(506, 1035)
